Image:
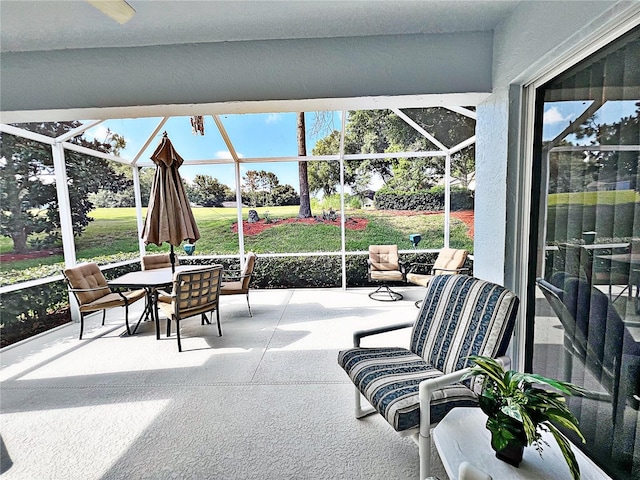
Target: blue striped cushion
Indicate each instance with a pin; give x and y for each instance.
(389, 379)
(460, 316)
(463, 316)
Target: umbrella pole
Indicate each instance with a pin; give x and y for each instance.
(172, 257)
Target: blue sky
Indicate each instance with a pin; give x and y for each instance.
(274, 135)
(252, 135)
(558, 115)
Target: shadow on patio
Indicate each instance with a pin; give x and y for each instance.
(265, 400)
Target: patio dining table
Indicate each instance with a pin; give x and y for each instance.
(151, 281)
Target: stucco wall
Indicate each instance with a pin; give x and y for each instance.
(247, 71)
(533, 36)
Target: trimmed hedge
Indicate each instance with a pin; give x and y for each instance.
(29, 311)
(431, 200)
(312, 272)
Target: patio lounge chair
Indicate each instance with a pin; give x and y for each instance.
(579, 261)
(449, 261)
(195, 292)
(595, 334)
(239, 284)
(414, 388)
(90, 288)
(385, 267)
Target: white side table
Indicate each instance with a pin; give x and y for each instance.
(462, 436)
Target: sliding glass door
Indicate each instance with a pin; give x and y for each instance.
(586, 326)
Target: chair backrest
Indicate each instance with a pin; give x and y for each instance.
(247, 271)
(576, 260)
(160, 260)
(598, 326)
(87, 276)
(384, 257)
(449, 259)
(597, 333)
(196, 291)
(462, 316)
(554, 293)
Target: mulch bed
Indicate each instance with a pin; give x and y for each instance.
(12, 257)
(352, 223)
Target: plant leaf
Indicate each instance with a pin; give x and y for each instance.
(567, 453)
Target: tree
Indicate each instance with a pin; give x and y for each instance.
(207, 191)
(284, 195)
(377, 131)
(305, 199)
(28, 194)
(574, 171)
(325, 176)
(251, 183)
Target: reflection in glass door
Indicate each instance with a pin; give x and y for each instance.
(587, 311)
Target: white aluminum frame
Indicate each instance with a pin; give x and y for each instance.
(61, 143)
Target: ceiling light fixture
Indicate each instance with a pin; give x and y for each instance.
(119, 10)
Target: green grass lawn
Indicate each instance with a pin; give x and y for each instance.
(612, 197)
(113, 232)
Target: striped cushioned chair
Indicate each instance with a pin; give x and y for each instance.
(415, 388)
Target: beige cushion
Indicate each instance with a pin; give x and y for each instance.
(394, 276)
(113, 300)
(450, 259)
(87, 276)
(162, 260)
(419, 279)
(448, 262)
(232, 288)
(383, 258)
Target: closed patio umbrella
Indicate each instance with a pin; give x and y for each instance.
(169, 216)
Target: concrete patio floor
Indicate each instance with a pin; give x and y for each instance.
(266, 400)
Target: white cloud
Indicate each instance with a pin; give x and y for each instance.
(553, 115)
(226, 154)
(273, 117)
(99, 133)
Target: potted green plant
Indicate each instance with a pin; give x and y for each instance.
(520, 406)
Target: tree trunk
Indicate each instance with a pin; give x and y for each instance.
(19, 242)
(305, 201)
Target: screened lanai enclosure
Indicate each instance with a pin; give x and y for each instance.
(373, 177)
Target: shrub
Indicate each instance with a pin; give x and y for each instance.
(423, 200)
(35, 309)
(32, 310)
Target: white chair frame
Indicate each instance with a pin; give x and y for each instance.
(422, 435)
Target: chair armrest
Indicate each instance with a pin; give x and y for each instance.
(420, 266)
(357, 336)
(95, 289)
(427, 387)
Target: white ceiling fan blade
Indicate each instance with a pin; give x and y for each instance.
(119, 10)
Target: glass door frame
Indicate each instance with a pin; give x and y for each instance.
(526, 172)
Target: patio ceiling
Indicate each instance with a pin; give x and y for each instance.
(199, 58)
(78, 25)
